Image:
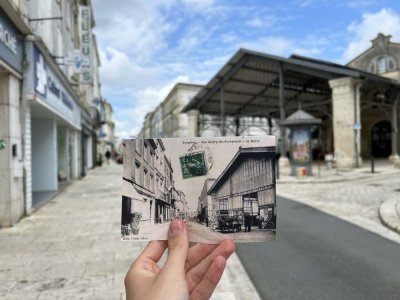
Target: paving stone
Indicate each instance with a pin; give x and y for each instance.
(79, 255)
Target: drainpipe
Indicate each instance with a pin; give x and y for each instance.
(357, 131)
(24, 109)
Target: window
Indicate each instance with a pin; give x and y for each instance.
(137, 145)
(137, 172)
(146, 152)
(146, 179)
(152, 182)
(382, 64)
(223, 204)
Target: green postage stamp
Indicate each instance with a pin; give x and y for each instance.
(193, 165)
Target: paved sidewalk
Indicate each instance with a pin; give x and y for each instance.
(355, 195)
(71, 248)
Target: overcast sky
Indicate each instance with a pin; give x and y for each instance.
(146, 46)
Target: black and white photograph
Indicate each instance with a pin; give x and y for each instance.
(222, 187)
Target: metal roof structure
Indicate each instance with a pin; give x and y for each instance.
(258, 84)
(300, 117)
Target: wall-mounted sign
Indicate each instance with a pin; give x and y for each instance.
(77, 61)
(85, 36)
(51, 89)
(10, 43)
(3, 144)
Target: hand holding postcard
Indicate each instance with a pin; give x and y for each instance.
(222, 187)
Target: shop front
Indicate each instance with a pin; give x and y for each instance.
(53, 125)
(11, 156)
(86, 144)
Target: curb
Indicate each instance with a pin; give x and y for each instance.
(388, 214)
(317, 180)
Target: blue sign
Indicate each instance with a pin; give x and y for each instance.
(52, 91)
(11, 43)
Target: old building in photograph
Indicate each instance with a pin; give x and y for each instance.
(206, 207)
(247, 185)
(139, 171)
(148, 181)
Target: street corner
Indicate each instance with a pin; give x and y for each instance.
(389, 213)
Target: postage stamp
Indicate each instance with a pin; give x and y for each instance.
(193, 164)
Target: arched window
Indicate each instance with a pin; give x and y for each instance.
(382, 64)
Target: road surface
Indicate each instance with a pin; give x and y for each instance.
(317, 256)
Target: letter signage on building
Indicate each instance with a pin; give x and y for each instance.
(52, 91)
(85, 35)
(10, 43)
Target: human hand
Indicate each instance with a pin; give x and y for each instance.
(187, 274)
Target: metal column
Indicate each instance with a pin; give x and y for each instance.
(222, 107)
(282, 110)
(394, 128)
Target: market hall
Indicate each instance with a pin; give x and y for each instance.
(357, 103)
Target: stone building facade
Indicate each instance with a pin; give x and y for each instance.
(49, 78)
(167, 119)
(148, 182)
(379, 117)
(206, 207)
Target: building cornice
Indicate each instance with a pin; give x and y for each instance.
(16, 16)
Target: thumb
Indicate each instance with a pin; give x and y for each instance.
(178, 245)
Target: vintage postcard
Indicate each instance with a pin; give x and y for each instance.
(223, 187)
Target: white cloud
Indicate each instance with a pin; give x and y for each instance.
(199, 4)
(272, 44)
(136, 27)
(385, 21)
(118, 70)
(264, 21)
(357, 4)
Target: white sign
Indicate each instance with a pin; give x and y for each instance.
(8, 39)
(85, 39)
(76, 61)
(52, 91)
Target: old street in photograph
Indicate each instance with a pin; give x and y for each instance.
(219, 185)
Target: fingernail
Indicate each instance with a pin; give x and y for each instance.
(175, 228)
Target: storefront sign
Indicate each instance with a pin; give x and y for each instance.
(85, 35)
(10, 43)
(52, 91)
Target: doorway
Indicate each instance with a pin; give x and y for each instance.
(381, 139)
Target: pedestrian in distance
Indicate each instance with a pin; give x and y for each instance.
(188, 273)
(108, 156)
(247, 222)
